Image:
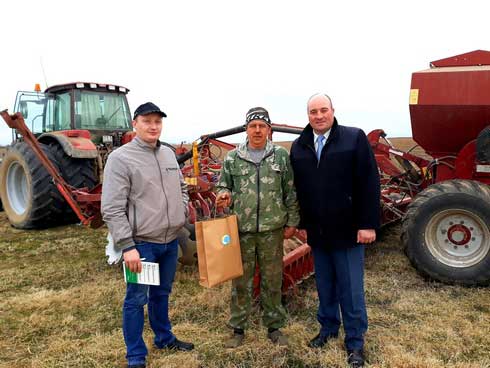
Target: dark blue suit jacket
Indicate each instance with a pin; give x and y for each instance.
(340, 194)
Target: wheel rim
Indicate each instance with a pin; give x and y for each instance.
(457, 238)
(17, 188)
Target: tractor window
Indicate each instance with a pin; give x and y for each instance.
(48, 116)
(101, 110)
(62, 112)
(33, 107)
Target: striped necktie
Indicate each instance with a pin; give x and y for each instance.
(319, 146)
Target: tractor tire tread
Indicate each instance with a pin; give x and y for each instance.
(77, 172)
(45, 200)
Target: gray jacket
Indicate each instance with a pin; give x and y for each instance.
(144, 196)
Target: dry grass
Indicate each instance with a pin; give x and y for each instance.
(60, 307)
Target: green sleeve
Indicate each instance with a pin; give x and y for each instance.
(225, 182)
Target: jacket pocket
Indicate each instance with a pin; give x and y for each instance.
(276, 173)
(341, 210)
(242, 176)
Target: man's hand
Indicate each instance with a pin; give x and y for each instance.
(132, 260)
(366, 236)
(223, 200)
(289, 231)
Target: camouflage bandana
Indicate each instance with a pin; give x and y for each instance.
(258, 113)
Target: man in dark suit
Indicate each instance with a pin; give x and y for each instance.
(338, 188)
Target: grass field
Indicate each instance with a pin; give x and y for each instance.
(60, 307)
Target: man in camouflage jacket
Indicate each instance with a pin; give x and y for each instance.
(257, 183)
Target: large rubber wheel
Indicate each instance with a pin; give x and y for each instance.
(77, 172)
(446, 232)
(27, 191)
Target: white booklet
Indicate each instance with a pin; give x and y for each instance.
(149, 275)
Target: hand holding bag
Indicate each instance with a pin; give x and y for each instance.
(218, 250)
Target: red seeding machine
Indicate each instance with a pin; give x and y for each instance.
(444, 202)
(51, 174)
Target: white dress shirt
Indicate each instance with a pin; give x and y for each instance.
(315, 138)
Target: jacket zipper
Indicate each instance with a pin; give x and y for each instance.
(257, 166)
(164, 193)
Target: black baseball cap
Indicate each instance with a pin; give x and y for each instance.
(148, 108)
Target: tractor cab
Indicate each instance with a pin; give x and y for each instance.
(101, 109)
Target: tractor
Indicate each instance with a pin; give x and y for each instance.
(76, 125)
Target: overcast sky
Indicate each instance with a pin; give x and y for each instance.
(206, 63)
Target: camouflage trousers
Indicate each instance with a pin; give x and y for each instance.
(267, 249)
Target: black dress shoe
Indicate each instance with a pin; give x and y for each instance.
(179, 345)
(320, 340)
(355, 358)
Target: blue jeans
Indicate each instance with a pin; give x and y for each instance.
(138, 295)
(339, 275)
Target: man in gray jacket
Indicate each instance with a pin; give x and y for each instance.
(144, 203)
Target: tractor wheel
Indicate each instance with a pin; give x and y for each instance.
(77, 172)
(29, 196)
(187, 248)
(446, 232)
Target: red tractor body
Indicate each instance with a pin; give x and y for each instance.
(444, 202)
(449, 108)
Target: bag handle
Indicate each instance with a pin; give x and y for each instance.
(215, 214)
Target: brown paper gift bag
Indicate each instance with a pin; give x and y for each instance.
(218, 250)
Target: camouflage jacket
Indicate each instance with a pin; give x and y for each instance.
(263, 194)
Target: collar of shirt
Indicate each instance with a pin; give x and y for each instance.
(315, 136)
